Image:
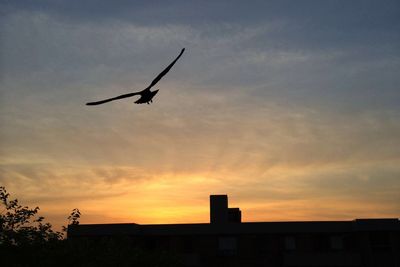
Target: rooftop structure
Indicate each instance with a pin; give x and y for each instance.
(228, 241)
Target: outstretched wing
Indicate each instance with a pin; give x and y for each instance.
(166, 70)
(138, 93)
(112, 99)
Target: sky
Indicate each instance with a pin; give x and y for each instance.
(289, 107)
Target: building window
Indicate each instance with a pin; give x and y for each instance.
(336, 242)
(290, 243)
(322, 242)
(380, 241)
(188, 244)
(227, 245)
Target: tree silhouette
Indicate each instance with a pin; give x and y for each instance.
(20, 225)
(73, 219)
(26, 241)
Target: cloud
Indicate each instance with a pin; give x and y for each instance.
(292, 111)
(61, 60)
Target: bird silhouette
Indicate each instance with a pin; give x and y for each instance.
(146, 95)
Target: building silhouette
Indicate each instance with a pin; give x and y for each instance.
(227, 241)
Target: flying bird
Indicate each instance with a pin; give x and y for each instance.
(146, 95)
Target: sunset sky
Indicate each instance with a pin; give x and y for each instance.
(292, 108)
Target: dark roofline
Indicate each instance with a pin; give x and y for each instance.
(387, 224)
(223, 224)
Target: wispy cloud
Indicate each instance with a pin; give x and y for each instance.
(295, 116)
